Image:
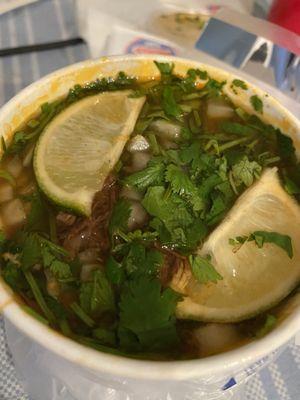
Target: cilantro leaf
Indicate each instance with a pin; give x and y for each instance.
(286, 147)
(164, 68)
(268, 325)
(217, 210)
(157, 204)
(221, 163)
(114, 271)
(57, 250)
(146, 311)
(47, 256)
(203, 270)
(179, 180)
(236, 128)
(208, 184)
(38, 250)
(240, 83)
(102, 295)
(202, 74)
(37, 219)
(169, 104)
(97, 297)
(290, 186)
(200, 163)
(213, 88)
(182, 185)
(119, 218)
(105, 336)
(262, 237)
(152, 175)
(138, 235)
(195, 233)
(31, 252)
(246, 171)
(154, 261)
(60, 270)
(14, 276)
(282, 241)
(257, 103)
(135, 258)
(142, 261)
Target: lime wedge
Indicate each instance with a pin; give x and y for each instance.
(254, 279)
(81, 146)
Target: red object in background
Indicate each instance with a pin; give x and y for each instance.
(286, 13)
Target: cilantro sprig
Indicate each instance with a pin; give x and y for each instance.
(147, 315)
(262, 237)
(203, 270)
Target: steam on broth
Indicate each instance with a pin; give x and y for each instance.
(107, 280)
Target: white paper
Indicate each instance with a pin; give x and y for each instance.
(8, 5)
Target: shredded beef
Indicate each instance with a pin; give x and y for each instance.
(172, 261)
(78, 233)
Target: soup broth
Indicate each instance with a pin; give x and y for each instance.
(105, 280)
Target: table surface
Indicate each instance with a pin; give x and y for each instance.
(52, 20)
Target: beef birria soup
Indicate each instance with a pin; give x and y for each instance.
(151, 219)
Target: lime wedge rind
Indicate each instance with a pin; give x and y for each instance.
(254, 279)
(79, 148)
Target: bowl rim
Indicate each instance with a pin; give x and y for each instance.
(128, 367)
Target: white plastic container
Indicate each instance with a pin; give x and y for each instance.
(54, 367)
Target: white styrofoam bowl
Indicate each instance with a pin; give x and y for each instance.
(87, 372)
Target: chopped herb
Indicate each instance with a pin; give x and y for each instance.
(169, 104)
(31, 253)
(39, 297)
(119, 219)
(148, 313)
(240, 83)
(246, 171)
(158, 205)
(262, 237)
(182, 185)
(203, 270)
(213, 88)
(153, 174)
(290, 186)
(141, 261)
(236, 128)
(82, 315)
(105, 336)
(202, 74)
(164, 68)
(37, 219)
(60, 270)
(114, 271)
(286, 147)
(268, 326)
(97, 297)
(257, 103)
(138, 235)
